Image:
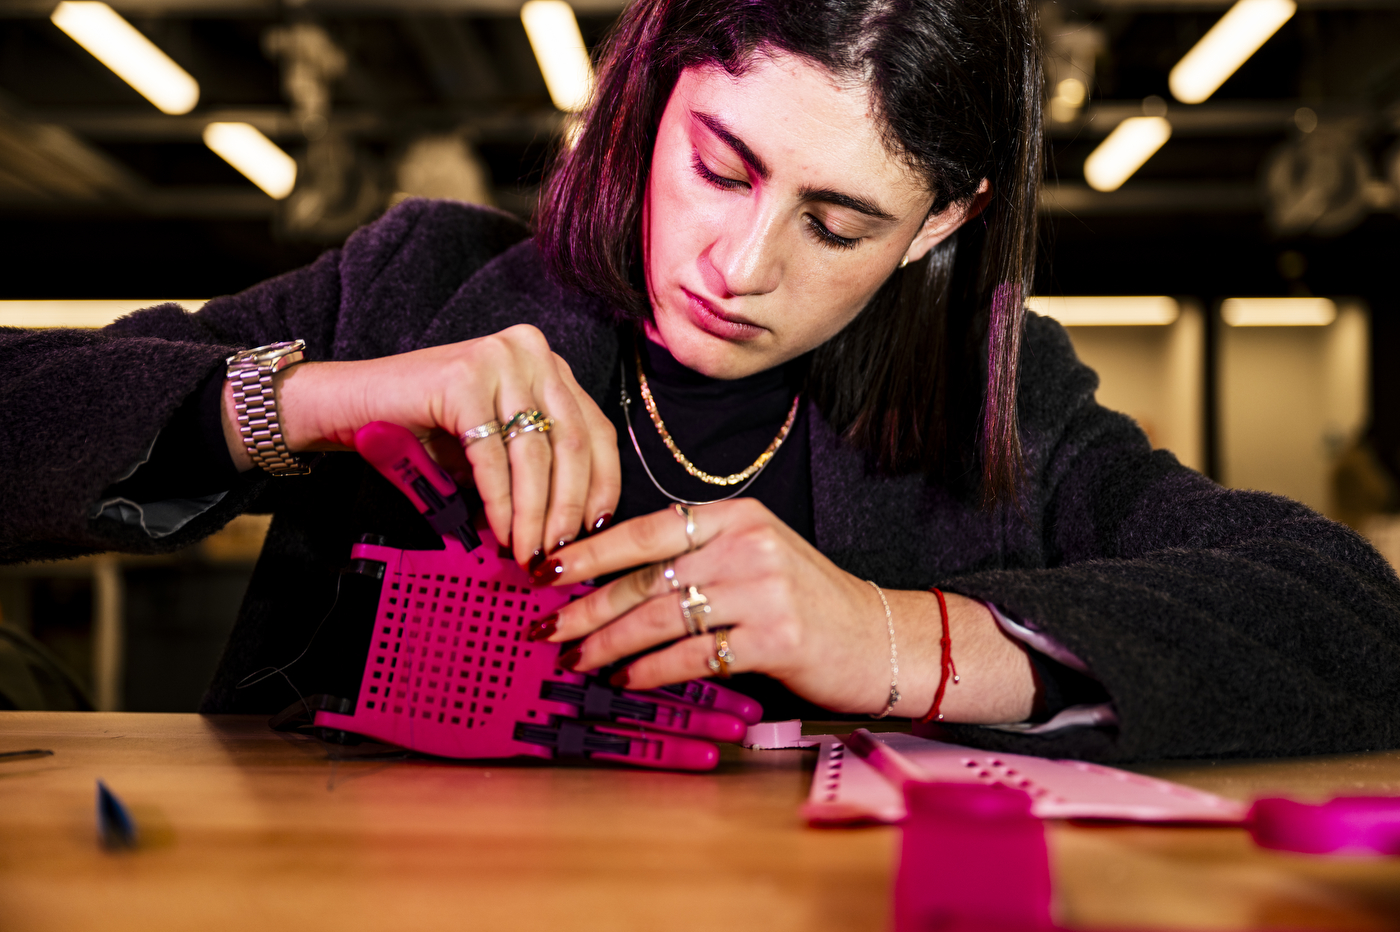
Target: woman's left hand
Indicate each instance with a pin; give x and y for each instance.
(791, 613)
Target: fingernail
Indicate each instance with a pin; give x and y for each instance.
(621, 678)
(603, 522)
(536, 561)
(570, 658)
(563, 542)
(542, 628)
(504, 553)
(545, 572)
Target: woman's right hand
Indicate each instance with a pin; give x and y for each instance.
(539, 490)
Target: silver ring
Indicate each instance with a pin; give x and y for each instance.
(481, 432)
(685, 512)
(668, 573)
(694, 607)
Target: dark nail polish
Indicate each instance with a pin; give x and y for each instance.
(603, 523)
(542, 628)
(563, 542)
(504, 553)
(545, 572)
(570, 658)
(621, 678)
(536, 561)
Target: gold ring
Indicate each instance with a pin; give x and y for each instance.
(524, 422)
(481, 432)
(685, 512)
(719, 663)
(694, 607)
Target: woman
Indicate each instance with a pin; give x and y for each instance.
(795, 235)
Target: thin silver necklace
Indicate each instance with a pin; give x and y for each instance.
(627, 416)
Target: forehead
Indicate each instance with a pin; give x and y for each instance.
(808, 126)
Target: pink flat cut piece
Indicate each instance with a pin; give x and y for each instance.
(1365, 826)
(846, 788)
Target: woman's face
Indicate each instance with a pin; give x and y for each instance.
(773, 214)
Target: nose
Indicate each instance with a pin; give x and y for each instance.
(746, 257)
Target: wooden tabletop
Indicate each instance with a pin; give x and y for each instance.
(244, 829)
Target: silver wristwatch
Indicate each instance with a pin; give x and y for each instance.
(250, 373)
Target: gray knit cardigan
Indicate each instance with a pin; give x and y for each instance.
(1222, 623)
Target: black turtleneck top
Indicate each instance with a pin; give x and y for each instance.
(721, 426)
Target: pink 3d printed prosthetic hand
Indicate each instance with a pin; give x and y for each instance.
(448, 668)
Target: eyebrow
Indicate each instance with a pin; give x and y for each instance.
(859, 204)
(726, 136)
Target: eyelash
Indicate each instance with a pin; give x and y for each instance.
(827, 237)
(719, 181)
(830, 238)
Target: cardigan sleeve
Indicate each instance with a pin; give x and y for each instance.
(1221, 622)
(79, 409)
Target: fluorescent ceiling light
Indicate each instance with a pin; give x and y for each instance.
(1278, 312)
(559, 49)
(1131, 143)
(36, 314)
(135, 59)
(256, 156)
(1240, 32)
(1135, 310)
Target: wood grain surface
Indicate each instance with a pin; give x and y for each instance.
(244, 829)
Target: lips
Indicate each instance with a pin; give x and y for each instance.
(716, 323)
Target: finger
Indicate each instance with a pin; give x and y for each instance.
(659, 620)
(605, 476)
(617, 598)
(689, 659)
(490, 469)
(652, 538)
(572, 465)
(531, 461)
(651, 623)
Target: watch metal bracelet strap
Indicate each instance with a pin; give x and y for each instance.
(250, 373)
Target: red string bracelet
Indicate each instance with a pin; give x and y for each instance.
(946, 644)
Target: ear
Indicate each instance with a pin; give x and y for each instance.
(940, 226)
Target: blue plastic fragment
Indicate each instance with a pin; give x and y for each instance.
(114, 822)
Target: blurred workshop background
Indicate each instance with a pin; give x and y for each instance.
(1221, 229)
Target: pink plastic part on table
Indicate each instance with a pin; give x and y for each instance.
(776, 735)
(1349, 825)
(450, 670)
(846, 788)
(972, 859)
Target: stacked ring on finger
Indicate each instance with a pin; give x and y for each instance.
(719, 663)
(668, 573)
(685, 512)
(523, 422)
(694, 607)
(481, 432)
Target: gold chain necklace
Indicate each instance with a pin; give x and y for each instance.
(687, 465)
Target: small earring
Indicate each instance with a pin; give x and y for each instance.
(903, 262)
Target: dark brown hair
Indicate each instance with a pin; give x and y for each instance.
(925, 377)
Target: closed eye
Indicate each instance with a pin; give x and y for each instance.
(719, 181)
(829, 238)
